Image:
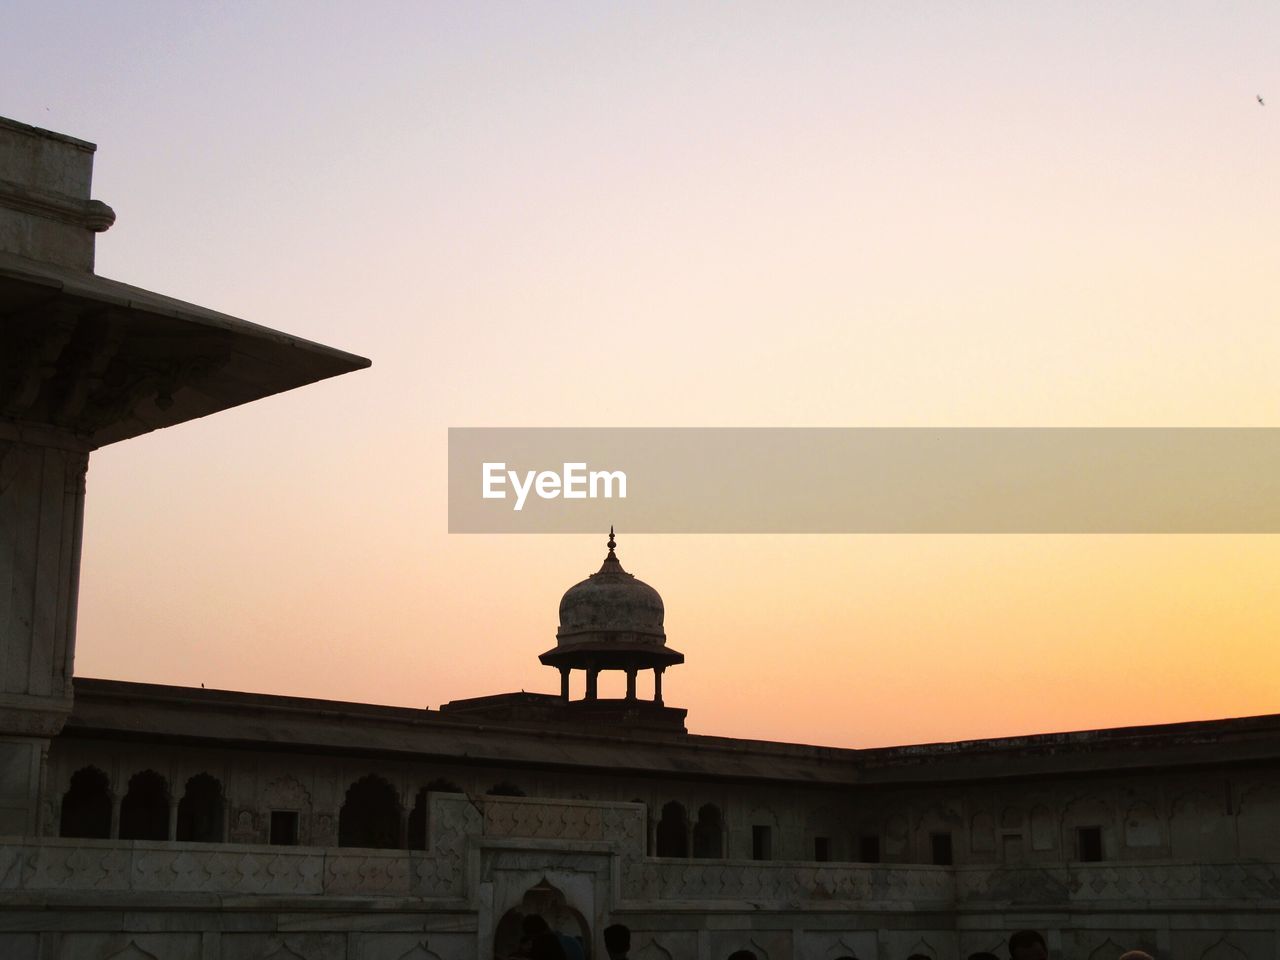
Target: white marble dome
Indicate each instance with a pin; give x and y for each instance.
(611, 606)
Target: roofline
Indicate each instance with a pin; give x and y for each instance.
(90, 689)
(96, 688)
(1255, 722)
(47, 134)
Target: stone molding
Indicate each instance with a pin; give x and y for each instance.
(91, 215)
(29, 715)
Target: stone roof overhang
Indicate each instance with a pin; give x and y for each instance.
(611, 655)
(106, 361)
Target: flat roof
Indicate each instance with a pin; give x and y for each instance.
(47, 134)
(141, 711)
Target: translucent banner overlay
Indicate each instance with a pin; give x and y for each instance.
(888, 480)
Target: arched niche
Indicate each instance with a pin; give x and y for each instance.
(86, 806)
(200, 811)
(419, 951)
(370, 815)
(1224, 950)
(545, 900)
(144, 811)
(673, 830)
(132, 952)
(708, 833)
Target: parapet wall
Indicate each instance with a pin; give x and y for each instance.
(99, 899)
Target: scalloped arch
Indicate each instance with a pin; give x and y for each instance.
(132, 952)
(1224, 949)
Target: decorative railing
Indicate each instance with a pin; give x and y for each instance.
(756, 882)
(1125, 882)
(139, 866)
(143, 866)
(458, 824)
(569, 820)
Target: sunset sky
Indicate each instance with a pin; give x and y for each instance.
(845, 214)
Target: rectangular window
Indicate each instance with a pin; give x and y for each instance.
(868, 849)
(940, 845)
(761, 843)
(822, 849)
(284, 828)
(1089, 844)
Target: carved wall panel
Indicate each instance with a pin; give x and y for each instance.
(765, 944)
(896, 837)
(441, 872)
(830, 945)
(1224, 950)
(660, 947)
(291, 946)
(1200, 827)
(982, 833)
(1142, 826)
(1089, 810)
(1044, 829)
(1258, 823)
(414, 946)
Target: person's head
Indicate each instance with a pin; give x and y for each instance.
(546, 946)
(617, 940)
(1136, 955)
(533, 924)
(1028, 945)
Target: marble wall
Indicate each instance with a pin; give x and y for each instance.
(1224, 814)
(100, 899)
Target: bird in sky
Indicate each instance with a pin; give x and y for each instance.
(1261, 101)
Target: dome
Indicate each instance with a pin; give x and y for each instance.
(612, 607)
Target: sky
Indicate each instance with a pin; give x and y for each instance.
(673, 214)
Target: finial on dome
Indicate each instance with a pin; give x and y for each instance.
(612, 543)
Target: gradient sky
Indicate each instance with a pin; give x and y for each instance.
(854, 214)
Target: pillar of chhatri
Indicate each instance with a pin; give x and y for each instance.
(86, 361)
